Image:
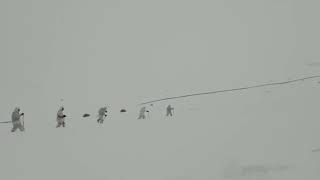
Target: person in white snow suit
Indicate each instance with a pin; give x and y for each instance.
(16, 120)
(61, 118)
(169, 110)
(102, 114)
(142, 114)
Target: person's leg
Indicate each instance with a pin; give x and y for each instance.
(99, 120)
(63, 124)
(14, 128)
(21, 128)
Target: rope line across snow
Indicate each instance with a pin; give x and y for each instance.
(235, 89)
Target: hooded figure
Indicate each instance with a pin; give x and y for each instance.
(142, 114)
(102, 114)
(169, 110)
(61, 118)
(16, 122)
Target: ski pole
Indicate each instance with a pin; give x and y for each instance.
(5, 122)
(148, 114)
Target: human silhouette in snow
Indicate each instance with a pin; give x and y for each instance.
(61, 118)
(16, 120)
(170, 110)
(102, 114)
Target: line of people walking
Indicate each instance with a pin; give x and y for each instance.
(143, 111)
(17, 118)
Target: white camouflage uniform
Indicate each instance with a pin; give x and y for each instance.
(102, 114)
(142, 114)
(169, 110)
(60, 118)
(16, 121)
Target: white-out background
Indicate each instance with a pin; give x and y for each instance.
(120, 53)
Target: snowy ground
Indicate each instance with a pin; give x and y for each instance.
(260, 138)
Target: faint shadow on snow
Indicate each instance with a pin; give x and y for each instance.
(252, 171)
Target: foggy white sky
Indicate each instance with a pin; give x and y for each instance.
(135, 50)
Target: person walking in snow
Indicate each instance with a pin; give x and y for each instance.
(16, 120)
(170, 110)
(142, 114)
(102, 114)
(61, 118)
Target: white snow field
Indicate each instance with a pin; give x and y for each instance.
(250, 135)
(87, 54)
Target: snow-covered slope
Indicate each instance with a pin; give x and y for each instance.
(248, 135)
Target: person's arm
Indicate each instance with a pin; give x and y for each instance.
(61, 116)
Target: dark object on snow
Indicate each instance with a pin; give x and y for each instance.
(123, 110)
(86, 115)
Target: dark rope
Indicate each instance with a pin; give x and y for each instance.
(6, 122)
(235, 89)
